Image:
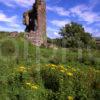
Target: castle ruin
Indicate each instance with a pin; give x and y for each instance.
(35, 22)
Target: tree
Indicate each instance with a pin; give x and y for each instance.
(74, 35)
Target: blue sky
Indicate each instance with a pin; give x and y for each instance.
(59, 13)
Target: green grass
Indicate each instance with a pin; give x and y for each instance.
(26, 53)
(16, 52)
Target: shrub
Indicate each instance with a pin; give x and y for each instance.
(7, 48)
(51, 82)
(74, 82)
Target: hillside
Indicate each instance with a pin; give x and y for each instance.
(23, 52)
(38, 67)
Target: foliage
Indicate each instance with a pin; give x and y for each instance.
(7, 48)
(3, 34)
(56, 82)
(59, 74)
(74, 35)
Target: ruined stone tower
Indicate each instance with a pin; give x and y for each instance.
(41, 18)
(35, 21)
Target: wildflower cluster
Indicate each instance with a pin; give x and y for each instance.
(58, 79)
(21, 69)
(62, 69)
(70, 98)
(32, 86)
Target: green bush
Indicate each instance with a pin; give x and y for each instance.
(7, 48)
(79, 85)
(51, 82)
(78, 80)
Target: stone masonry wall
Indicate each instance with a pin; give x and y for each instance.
(38, 37)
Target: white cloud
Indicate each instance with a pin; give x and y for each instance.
(52, 29)
(22, 3)
(10, 21)
(94, 32)
(4, 18)
(52, 32)
(59, 10)
(85, 14)
(10, 29)
(56, 34)
(60, 23)
(53, 35)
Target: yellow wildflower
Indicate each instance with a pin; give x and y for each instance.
(53, 65)
(29, 84)
(69, 74)
(70, 98)
(62, 67)
(34, 87)
(21, 69)
(62, 71)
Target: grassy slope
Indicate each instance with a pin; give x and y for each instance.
(46, 55)
(28, 54)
